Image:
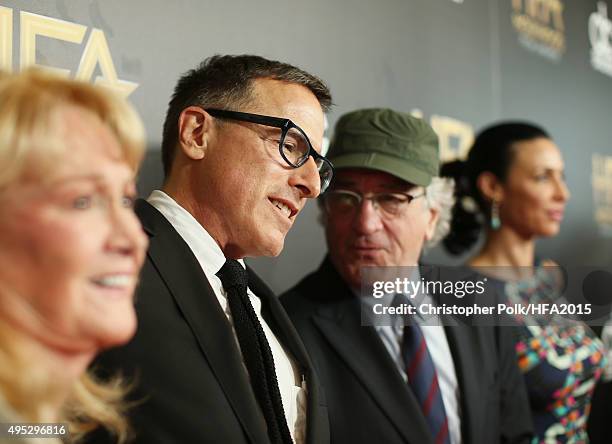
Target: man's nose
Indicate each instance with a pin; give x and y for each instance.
(367, 218)
(306, 179)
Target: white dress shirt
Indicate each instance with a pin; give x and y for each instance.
(391, 333)
(211, 259)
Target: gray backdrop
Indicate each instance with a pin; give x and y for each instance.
(463, 60)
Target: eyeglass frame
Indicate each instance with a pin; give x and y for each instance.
(370, 196)
(284, 125)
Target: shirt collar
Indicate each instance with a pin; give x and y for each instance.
(205, 248)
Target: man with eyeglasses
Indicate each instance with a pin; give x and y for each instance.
(215, 358)
(392, 383)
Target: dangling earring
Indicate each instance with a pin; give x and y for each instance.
(495, 220)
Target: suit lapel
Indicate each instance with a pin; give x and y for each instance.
(465, 346)
(277, 319)
(198, 304)
(364, 353)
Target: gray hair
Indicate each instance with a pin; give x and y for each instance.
(440, 195)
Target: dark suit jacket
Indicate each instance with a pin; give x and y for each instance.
(368, 401)
(191, 380)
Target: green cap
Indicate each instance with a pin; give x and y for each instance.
(385, 140)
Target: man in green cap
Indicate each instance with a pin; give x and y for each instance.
(392, 383)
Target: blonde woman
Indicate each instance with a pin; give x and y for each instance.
(70, 249)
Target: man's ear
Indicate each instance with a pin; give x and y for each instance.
(490, 187)
(194, 128)
(433, 215)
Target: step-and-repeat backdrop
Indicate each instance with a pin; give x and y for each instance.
(460, 64)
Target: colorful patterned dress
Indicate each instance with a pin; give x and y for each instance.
(561, 359)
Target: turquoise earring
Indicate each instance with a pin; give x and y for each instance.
(495, 220)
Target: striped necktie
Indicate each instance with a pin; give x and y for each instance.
(423, 381)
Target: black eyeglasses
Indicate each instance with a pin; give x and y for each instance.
(294, 146)
(342, 202)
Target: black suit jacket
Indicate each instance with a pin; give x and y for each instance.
(368, 401)
(192, 386)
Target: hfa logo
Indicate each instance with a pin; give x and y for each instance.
(95, 53)
(600, 35)
(540, 26)
(455, 136)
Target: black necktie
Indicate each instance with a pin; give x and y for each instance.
(255, 351)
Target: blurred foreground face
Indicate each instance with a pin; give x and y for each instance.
(535, 193)
(369, 236)
(70, 244)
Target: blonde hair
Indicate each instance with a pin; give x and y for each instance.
(29, 107)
